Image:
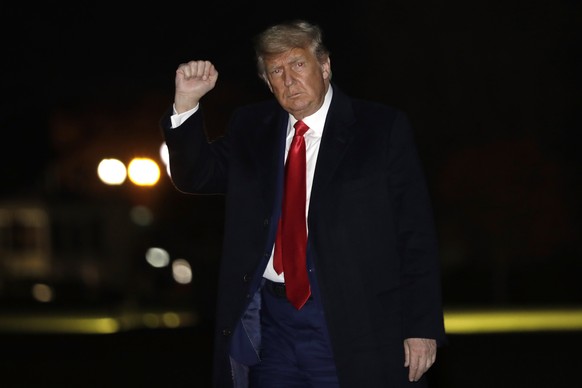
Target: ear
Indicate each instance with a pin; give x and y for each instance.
(326, 68)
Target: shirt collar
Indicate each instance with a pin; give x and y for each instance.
(316, 121)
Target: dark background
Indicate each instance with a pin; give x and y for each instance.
(491, 87)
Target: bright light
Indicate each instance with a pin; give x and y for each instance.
(165, 156)
(112, 171)
(143, 172)
(157, 257)
(181, 271)
(465, 321)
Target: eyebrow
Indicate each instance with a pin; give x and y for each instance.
(292, 60)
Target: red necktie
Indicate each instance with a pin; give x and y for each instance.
(291, 244)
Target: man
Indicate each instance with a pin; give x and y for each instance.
(371, 313)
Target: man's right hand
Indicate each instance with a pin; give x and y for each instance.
(193, 80)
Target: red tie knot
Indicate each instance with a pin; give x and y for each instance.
(300, 128)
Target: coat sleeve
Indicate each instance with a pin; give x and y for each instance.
(416, 238)
(197, 165)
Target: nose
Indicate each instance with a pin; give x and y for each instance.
(288, 78)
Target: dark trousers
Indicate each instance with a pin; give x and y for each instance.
(295, 351)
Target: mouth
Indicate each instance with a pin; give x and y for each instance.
(294, 95)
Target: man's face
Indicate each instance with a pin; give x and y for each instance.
(298, 81)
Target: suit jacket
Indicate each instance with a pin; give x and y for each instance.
(372, 239)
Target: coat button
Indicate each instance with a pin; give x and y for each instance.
(266, 222)
(226, 332)
(246, 278)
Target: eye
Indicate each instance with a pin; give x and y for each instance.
(299, 66)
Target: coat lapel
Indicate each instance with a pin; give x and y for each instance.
(337, 135)
(270, 158)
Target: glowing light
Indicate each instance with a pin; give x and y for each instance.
(143, 172)
(111, 171)
(165, 156)
(157, 257)
(42, 292)
(515, 320)
(171, 319)
(181, 271)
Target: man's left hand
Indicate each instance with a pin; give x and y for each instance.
(419, 355)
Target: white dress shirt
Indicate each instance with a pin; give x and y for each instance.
(315, 122)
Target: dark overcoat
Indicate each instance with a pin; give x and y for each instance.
(372, 240)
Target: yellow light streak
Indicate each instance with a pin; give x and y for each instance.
(509, 321)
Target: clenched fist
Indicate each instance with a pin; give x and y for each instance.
(193, 80)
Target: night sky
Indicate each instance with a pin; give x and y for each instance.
(492, 89)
